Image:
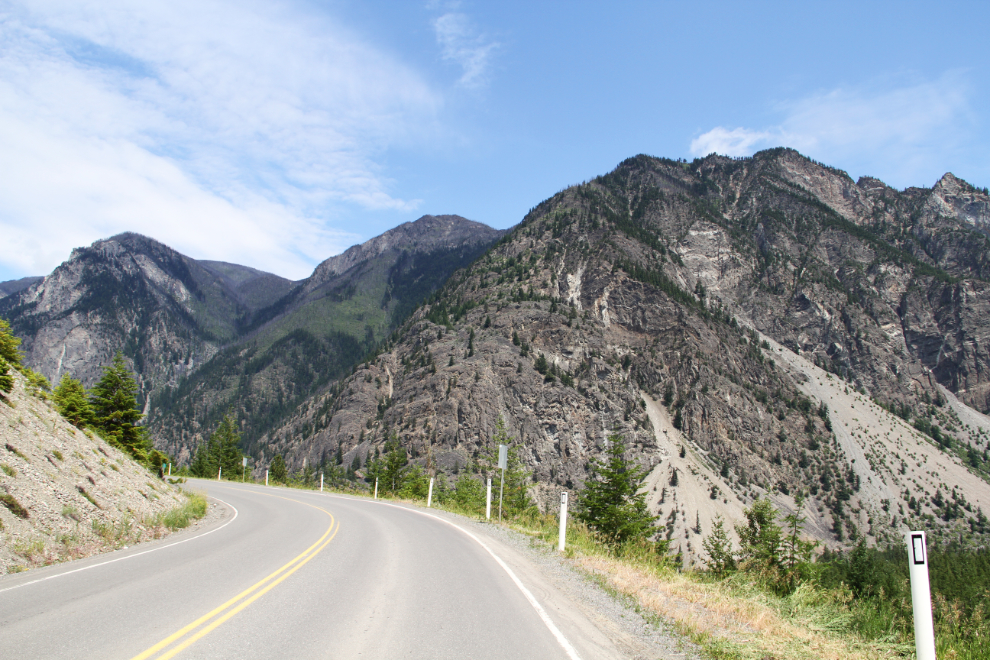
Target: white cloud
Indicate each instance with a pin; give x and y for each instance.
(734, 142)
(228, 130)
(906, 135)
(462, 44)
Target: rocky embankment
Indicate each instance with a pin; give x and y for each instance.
(66, 493)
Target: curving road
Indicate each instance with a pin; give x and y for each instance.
(294, 574)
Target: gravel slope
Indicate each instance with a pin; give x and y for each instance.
(80, 495)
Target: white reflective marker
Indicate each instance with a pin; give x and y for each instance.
(921, 597)
(563, 521)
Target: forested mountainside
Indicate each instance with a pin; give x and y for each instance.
(203, 336)
(317, 332)
(745, 324)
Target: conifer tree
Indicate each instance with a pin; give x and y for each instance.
(6, 380)
(72, 404)
(611, 502)
(760, 537)
(10, 357)
(394, 466)
(719, 548)
(114, 405)
(277, 469)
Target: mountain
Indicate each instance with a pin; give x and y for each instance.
(167, 312)
(757, 326)
(205, 336)
(317, 331)
(13, 286)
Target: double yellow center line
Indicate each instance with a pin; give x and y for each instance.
(205, 624)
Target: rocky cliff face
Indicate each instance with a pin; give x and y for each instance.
(734, 320)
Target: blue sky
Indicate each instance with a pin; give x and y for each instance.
(278, 134)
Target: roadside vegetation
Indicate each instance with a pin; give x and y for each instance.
(776, 596)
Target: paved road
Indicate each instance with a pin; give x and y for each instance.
(298, 574)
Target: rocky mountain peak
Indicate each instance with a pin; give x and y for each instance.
(955, 198)
(423, 235)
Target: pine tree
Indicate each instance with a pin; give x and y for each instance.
(277, 469)
(114, 405)
(611, 502)
(10, 357)
(719, 548)
(6, 380)
(760, 537)
(226, 440)
(72, 404)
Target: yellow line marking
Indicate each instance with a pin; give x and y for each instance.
(299, 561)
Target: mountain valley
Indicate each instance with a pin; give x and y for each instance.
(762, 326)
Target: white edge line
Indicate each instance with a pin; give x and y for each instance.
(136, 554)
(566, 645)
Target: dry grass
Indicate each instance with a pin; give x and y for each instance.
(736, 619)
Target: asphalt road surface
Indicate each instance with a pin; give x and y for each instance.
(299, 574)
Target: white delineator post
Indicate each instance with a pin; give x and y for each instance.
(321, 482)
(376, 488)
(502, 462)
(563, 521)
(266, 477)
(429, 494)
(219, 471)
(170, 469)
(921, 596)
(488, 502)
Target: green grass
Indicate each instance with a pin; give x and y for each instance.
(13, 505)
(15, 451)
(57, 454)
(11, 472)
(82, 491)
(181, 516)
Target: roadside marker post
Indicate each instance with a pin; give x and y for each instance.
(321, 482)
(266, 477)
(376, 488)
(488, 501)
(563, 521)
(503, 460)
(243, 469)
(170, 469)
(921, 597)
(429, 494)
(219, 472)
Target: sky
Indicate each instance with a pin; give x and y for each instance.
(277, 134)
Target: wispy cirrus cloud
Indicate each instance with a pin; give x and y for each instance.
(233, 131)
(900, 133)
(462, 43)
